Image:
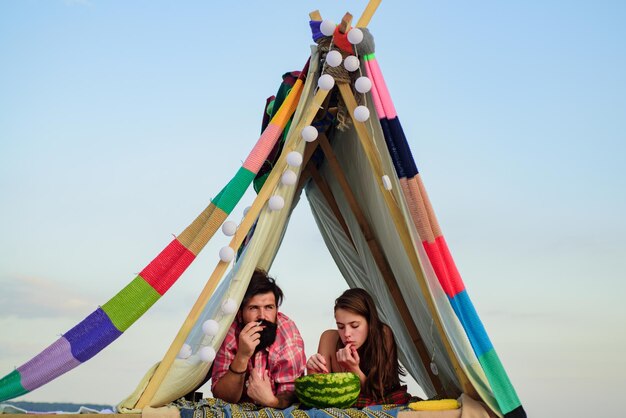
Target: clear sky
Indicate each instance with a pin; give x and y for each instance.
(119, 120)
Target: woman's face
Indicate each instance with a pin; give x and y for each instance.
(352, 327)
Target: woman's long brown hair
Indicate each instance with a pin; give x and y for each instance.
(379, 353)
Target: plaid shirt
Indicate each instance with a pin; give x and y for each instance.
(285, 359)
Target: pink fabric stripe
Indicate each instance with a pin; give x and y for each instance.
(261, 150)
(375, 95)
(390, 109)
(47, 365)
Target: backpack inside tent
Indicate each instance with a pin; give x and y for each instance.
(332, 132)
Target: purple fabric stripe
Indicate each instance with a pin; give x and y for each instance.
(47, 365)
(316, 32)
(91, 335)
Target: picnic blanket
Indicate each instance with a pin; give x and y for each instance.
(217, 408)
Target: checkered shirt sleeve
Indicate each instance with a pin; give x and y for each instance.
(287, 359)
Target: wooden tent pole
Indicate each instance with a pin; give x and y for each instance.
(381, 262)
(407, 242)
(242, 231)
(369, 11)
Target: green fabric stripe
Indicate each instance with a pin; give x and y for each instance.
(11, 386)
(499, 381)
(130, 303)
(228, 198)
(369, 57)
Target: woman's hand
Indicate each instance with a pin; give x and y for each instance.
(316, 364)
(348, 358)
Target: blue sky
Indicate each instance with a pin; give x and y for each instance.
(120, 120)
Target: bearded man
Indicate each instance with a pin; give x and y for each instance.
(263, 352)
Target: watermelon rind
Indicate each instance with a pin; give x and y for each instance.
(328, 390)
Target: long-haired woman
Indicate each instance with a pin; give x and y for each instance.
(364, 345)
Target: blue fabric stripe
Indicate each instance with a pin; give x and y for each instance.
(91, 335)
(404, 151)
(391, 147)
(474, 328)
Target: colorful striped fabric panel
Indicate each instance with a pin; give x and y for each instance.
(108, 322)
(434, 243)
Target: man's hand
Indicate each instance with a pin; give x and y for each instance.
(316, 364)
(248, 339)
(348, 358)
(260, 388)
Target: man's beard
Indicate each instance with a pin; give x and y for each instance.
(267, 335)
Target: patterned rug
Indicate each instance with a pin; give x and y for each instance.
(216, 408)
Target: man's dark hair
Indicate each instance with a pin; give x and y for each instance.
(260, 283)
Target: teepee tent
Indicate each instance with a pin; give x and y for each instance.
(336, 136)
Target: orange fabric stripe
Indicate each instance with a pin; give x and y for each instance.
(289, 106)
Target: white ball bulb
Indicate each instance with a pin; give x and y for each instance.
(334, 58)
(276, 202)
(229, 306)
(327, 27)
(326, 82)
(207, 354)
(386, 182)
(227, 254)
(361, 113)
(309, 133)
(210, 327)
(294, 159)
(185, 351)
(355, 36)
(363, 84)
(289, 178)
(351, 63)
(229, 228)
(434, 368)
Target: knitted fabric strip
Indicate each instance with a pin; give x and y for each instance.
(434, 243)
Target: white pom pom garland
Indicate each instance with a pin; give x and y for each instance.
(185, 351)
(309, 133)
(363, 84)
(351, 63)
(207, 354)
(334, 58)
(289, 178)
(229, 228)
(229, 306)
(326, 82)
(361, 113)
(294, 159)
(210, 327)
(276, 202)
(355, 36)
(386, 182)
(227, 254)
(327, 27)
